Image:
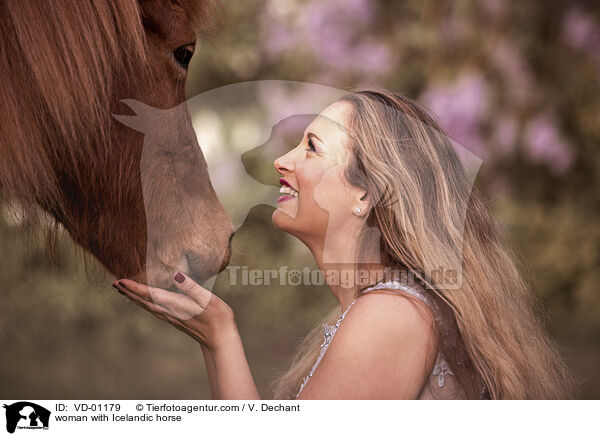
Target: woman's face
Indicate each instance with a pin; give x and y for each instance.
(315, 195)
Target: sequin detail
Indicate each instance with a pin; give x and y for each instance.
(441, 367)
(328, 334)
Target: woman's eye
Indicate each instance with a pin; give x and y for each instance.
(183, 55)
(311, 145)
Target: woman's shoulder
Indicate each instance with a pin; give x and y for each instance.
(394, 306)
(412, 293)
(391, 346)
(380, 351)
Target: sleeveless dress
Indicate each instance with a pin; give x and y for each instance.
(441, 383)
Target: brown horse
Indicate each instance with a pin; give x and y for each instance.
(64, 67)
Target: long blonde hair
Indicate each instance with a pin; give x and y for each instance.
(429, 214)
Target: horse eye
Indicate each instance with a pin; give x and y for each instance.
(183, 55)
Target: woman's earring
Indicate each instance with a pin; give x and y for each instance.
(357, 210)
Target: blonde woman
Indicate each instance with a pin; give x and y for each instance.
(377, 187)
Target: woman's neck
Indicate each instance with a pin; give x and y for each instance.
(336, 257)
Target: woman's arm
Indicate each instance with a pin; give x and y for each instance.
(233, 377)
(210, 321)
(228, 371)
(210, 370)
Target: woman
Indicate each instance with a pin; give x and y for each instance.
(438, 309)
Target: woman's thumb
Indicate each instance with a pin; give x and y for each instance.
(192, 289)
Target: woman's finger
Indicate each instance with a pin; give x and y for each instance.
(189, 287)
(144, 291)
(175, 304)
(162, 297)
(160, 312)
(140, 301)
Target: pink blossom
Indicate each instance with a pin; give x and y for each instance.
(545, 145)
(515, 69)
(494, 7)
(334, 33)
(461, 107)
(581, 32)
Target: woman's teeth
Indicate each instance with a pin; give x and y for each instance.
(287, 190)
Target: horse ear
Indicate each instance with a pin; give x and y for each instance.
(144, 114)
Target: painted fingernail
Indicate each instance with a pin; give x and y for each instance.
(179, 278)
(118, 290)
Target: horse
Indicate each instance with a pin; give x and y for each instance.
(65, 67)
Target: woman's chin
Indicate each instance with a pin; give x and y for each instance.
(282, 220)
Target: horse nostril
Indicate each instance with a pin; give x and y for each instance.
(198, 268)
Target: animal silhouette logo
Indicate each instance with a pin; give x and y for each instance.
(26, 415)
(243, 127)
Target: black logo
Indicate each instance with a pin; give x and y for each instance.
(26, 415)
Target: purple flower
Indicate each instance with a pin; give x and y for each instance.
(333, 32)
(581, 32)
(461, 107)
(371, 56)
(494, 7)
(279, 38)
(545, 145)
(515, 70)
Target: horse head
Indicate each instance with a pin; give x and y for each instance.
(65, 68)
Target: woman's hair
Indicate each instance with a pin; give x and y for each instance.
(431, 218)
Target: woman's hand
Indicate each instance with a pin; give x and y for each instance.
(197, 312)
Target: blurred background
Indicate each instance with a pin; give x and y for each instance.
(517, 83)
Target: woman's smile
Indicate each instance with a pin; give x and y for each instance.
(289, 192)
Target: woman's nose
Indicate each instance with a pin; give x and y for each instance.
(284, 163)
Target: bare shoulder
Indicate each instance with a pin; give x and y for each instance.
(389, 307)
(385, 348)
(392, 321)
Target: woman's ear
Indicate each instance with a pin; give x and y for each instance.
(361, 203)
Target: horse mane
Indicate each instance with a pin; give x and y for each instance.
(62, 65)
